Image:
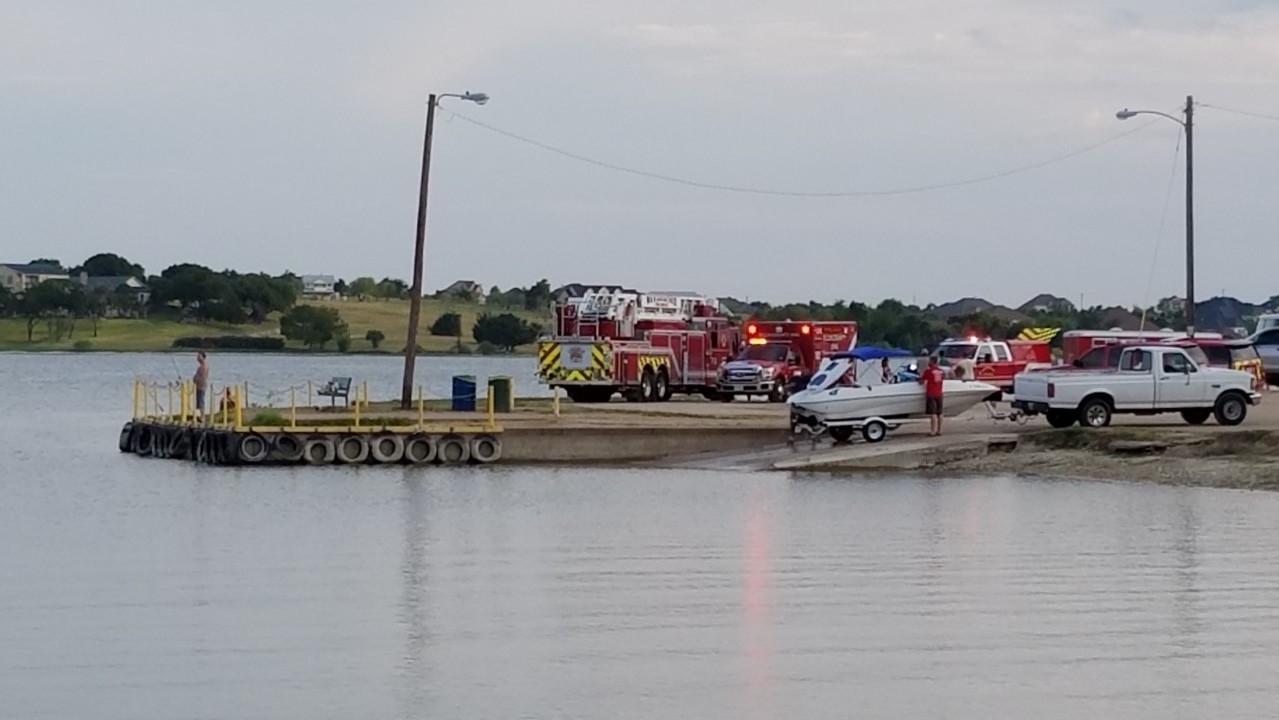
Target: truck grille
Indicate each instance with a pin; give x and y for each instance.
(742, 375)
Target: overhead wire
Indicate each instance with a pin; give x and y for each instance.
(1249, 113)
(796, 193)
(1163, 218)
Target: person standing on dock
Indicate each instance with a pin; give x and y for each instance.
(933, 380)
(200, 380)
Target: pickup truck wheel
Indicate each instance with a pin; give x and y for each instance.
(1061, 418)
(779, 392)
(1230, 409)
(1095, 413)
(1197, 416)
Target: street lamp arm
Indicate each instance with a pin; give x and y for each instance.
(1126, 113)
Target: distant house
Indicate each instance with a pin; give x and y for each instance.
(972, 306)
(119, 285)
(1113, 318)
(319, 287)
(1045, 303)
(468, 289)
(21, 277)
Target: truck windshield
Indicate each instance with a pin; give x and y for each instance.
(1243, 353)
(765, 353)
(957, 352)
(1197, 354)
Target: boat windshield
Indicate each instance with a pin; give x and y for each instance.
(957, 351)
(829, 373)
(766, 353)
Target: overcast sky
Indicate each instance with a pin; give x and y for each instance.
(287, 135)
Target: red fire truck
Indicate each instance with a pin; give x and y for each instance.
(993, 361)
(1075, 343)
(779, 351)
(645, 346)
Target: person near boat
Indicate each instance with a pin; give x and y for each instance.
(933, 380)
(200, 380)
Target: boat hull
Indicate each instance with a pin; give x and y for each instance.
(889, 402)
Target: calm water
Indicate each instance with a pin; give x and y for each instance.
(147, 589)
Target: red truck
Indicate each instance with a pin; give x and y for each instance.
(645, 346)
(779, 351)
(993, 361)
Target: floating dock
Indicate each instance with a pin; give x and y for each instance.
(295, 445)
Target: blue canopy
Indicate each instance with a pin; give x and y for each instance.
(868, 352)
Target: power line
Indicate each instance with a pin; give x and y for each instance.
(1163, 214)
(1263, 116)
(795, 193)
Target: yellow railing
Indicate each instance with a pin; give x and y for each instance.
(225, 409)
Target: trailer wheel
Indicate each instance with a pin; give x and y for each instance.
(648, 386)
(841, 434)
(874, 431)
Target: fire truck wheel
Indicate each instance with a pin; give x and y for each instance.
(726, 397)
(662, 390)
(648, 387)
(779, 392)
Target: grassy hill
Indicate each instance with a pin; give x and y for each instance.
(389, 316)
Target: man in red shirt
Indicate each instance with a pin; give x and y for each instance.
(933, 379)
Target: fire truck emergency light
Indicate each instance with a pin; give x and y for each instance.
(804, 330)
(750, 329)
(757, 341)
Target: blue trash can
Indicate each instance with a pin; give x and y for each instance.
(463, 393)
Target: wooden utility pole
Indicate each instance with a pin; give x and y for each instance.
(415, 292)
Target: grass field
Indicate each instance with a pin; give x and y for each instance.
(389, 316)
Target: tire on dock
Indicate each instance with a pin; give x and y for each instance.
(387, 448)
(454, 450)
(486, 449)
(318, 450)
(252, 448)
(352, 449)
(288, 447)
(126, 438)
(420, 449)
(143, 440)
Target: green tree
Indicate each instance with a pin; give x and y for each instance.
(362, 287)
(392, 289)
(447, 325)
(53, 262)
(260, 294)
(506, 330)
(53, 300)
(312, 325)
(8, 302)
(375, 338)
(107, 265)
(538, 295)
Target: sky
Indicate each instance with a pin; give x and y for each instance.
(261, 135)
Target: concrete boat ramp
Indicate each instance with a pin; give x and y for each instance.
(912, 452)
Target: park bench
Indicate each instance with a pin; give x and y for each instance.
(338, 387)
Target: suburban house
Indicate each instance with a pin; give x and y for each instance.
(19, 277)
(319, 287)
(468, 289)
(117, 286)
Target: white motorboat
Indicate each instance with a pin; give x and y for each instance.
(826, 400)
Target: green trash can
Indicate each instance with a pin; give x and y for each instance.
(500, 391)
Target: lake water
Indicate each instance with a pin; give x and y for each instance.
(147, 589)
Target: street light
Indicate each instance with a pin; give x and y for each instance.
(1188, 124)
(415, 294)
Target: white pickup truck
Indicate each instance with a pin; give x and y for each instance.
(1150, 379)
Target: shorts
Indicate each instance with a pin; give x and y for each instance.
(932, 406)
(199, 398)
